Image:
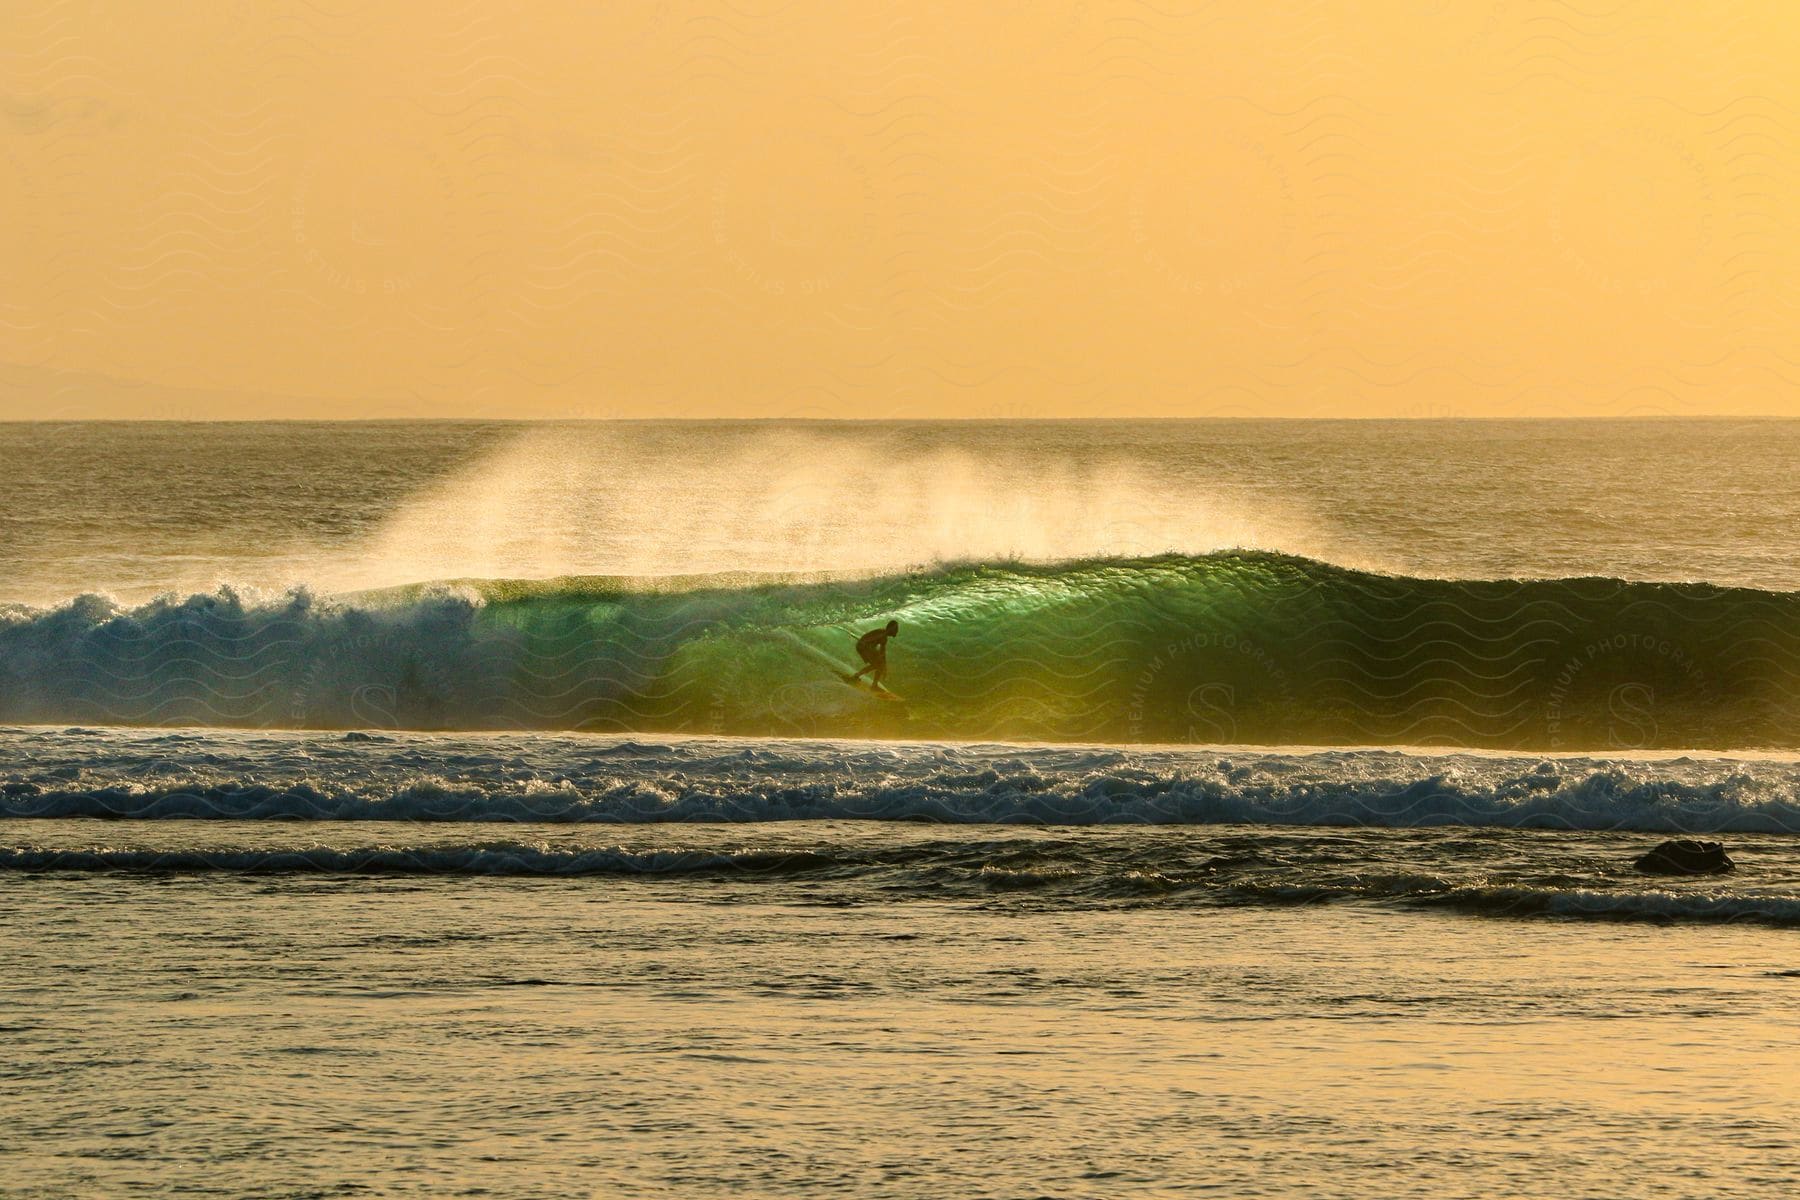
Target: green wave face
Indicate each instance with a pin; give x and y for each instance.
(1229, 648)
(1239, 647)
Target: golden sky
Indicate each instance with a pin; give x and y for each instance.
(266, 208)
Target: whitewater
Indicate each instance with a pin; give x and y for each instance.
(549, 779)
(209, 802)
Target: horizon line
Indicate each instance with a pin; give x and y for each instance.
(773, 420)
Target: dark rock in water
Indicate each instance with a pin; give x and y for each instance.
(1686, 857)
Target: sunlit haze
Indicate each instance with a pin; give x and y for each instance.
(1409, 208)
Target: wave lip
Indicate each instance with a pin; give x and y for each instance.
(1227, 648)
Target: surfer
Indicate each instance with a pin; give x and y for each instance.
(872, 646)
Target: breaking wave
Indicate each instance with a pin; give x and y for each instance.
(1234, 647)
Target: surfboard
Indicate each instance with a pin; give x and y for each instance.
(871, 689)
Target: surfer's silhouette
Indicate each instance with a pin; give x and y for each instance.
(872, 646)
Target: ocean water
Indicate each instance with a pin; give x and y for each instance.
(436, 809)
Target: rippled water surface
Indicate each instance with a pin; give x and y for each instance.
(305, 1033)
